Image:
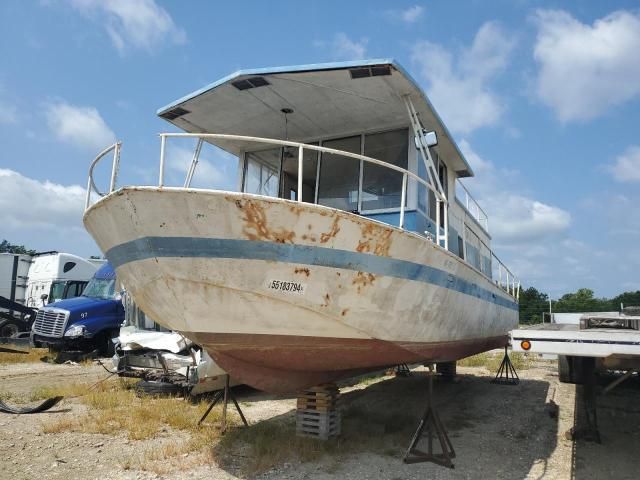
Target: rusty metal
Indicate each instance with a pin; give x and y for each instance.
(506, 374)
(434, 429)
(224, 395)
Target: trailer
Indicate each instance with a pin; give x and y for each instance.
(600, 342)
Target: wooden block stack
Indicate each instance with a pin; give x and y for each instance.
(317, 415)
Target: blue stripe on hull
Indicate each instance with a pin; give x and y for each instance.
(194, 247)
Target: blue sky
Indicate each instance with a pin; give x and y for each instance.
(542, 97)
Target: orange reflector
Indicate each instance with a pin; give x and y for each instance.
(525, 344)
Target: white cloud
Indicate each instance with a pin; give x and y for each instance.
(408, 15)
(133, 23)
(8, 113)
(343, 48)
(29, 203)
(216, 169)
(514, 218)
(460, 87)
(627, 166)
(79, 126)
(587, 69)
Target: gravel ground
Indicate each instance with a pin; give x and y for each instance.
(501, 432)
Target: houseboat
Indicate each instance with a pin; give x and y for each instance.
(350, 244)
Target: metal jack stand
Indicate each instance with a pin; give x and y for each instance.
(402, 370)
(224, 395)
(506, 373)
(431, 421)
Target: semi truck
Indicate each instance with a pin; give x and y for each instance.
(84, 323)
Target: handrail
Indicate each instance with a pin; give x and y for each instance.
(115, 166)
(510, 286)
(469, 202)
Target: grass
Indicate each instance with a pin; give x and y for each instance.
(491, 361)
(32, 355)
(113, 408)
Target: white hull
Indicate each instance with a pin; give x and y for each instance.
(205, 263)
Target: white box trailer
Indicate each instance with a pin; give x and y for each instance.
(14, 271)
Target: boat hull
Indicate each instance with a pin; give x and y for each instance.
(286, 295)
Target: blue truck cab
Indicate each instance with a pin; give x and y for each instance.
(83, 323)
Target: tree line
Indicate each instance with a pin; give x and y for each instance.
(534, 304)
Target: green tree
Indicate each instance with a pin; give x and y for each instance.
(581, 301)
(7, 247)
(532, 304)
(627, 299)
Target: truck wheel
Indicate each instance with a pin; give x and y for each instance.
(9, 328)
(564, 368)
(105, 346)
(446, 369)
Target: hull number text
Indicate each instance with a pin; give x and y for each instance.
(287, 287)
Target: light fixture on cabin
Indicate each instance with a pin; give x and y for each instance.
(286, 111)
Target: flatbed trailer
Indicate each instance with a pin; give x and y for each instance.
(609, 342)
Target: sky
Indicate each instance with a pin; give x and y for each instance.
(542, 97)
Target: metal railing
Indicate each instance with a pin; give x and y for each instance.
(473, 207)
(441, 238)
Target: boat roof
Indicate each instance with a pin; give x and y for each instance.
(327, 100)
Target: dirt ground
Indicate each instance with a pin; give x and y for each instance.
(498, 431)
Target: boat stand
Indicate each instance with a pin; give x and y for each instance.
(434, 428)
(402, 370)
(506, 374)
(224, 395)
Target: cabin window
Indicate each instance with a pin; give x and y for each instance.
(262, 172)
(382, 187)
(339, 175)
(290, 174)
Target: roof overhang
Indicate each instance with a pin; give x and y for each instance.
(328, 100)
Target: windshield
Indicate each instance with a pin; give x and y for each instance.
(100, 288)
(57, 292)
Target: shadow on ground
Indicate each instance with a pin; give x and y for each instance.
(618, 415)
(498, 431)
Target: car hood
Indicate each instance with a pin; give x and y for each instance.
(79, 303)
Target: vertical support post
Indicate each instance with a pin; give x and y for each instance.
(446, 226)
(88, 199)
(194, 163)
(438, 201)
(403, 198)
(163, 141)
(300, 170)
(115, 165)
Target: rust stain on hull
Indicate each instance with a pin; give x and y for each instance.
(256, 228)
(304, 271)
(335, 228)
(375, 239)
(363, 279)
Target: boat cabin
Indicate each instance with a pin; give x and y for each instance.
(365, 110)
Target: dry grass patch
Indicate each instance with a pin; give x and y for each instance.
(31, 356)
(491, 361)
(115, 409)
